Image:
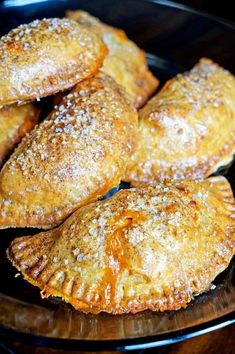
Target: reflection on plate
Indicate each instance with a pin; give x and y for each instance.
(58, 320)
(176, 39)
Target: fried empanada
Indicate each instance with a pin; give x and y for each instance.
(125, 62)
(144, 248)
(76, 155)
(188, 129)
(15, 122)
(45, 57)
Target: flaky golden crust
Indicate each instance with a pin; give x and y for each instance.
(45, 57)
(73, 157)
(15, 122)
(144, 248)
(125, 62)
(188, 129)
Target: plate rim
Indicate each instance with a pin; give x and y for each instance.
(168, 3)
(138, 343)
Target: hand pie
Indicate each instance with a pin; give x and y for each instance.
(144, 248)
(125, 62)
(188, 129)
(45, 57)
(15, 122)
(76, 155)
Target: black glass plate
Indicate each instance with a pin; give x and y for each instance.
(175, 38)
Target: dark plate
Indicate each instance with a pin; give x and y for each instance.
(175, 39)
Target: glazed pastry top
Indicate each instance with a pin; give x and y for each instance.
(188, 129)
(73, 157)
(46, 56)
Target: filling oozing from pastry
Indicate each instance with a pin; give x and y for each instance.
(152, 247)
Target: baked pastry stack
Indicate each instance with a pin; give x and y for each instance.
(154, 246)
(77, 153)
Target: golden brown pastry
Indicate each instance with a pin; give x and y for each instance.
(144, 248)
(73, 157)
(188, 129)
(125, 62)
(15, 122)
(45, 57)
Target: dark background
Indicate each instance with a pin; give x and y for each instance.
(221, 8)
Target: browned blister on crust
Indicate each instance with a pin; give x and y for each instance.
(47, 56)
(144, 248)
(188, 129)
(15, 122)
(125, 62)
(73, 157)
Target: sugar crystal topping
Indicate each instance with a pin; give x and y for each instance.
(70, 145)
